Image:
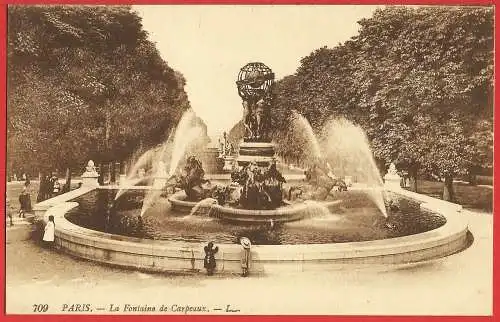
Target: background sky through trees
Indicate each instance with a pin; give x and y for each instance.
(209, 44)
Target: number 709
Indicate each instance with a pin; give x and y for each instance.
(40, 307)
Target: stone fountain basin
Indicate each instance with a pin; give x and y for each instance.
(287, 213)
(180, 256)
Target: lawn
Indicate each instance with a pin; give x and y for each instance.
(470, 197)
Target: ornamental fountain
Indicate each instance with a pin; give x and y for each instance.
(256, 191)
(293, 225)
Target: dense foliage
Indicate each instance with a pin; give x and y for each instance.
(418, 80)
(84, 82)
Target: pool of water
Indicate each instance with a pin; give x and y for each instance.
(356, 219)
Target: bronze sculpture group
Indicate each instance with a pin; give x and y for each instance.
(261, 188)
(192, 181)
(319, 184)
(254, 85)
(256, 119)
(258, 188)
(253, 186)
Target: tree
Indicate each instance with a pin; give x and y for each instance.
(84, 82)
(418, 80)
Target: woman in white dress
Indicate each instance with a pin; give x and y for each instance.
(48, 235)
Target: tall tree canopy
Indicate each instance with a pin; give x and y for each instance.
(85, 82)
(418, 80)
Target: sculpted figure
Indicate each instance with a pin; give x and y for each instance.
(192, 181)
(260, 189)
(259, 117)
(392, 169)
(273, 185)
(248, 119)
(91, 168)
(254, 83)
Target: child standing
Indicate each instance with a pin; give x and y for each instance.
(48, 235)
(209, 261)
(245, 255)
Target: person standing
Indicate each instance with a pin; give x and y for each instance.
(27, 185)
(48, 188)
(245, 256)
(8, 211)
(45, 190)
(48, 235)
(24, 200)
(56, 187)
(209, 261)
(41, 189)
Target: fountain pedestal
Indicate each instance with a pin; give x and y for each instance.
(90, 176)
(209, 158)
(228, 163)
(392, 180)
(260, 152)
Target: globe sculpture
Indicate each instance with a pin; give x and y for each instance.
(254, 80)
(254, 84)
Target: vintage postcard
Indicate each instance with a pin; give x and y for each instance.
(249, 160)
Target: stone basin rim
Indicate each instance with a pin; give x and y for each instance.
(453, 224)
(174, 255)
(431, 235)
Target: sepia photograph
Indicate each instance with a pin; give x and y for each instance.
(249, 160)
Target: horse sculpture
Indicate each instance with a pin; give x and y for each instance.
(320, 184)
(192, 181)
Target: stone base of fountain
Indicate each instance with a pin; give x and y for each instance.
(393, 181)
(260, 152)
(90, 179)
(392, 178)
(179, 256)
(209, 158)
(286, 213)
(90, 176)
(228, 163)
